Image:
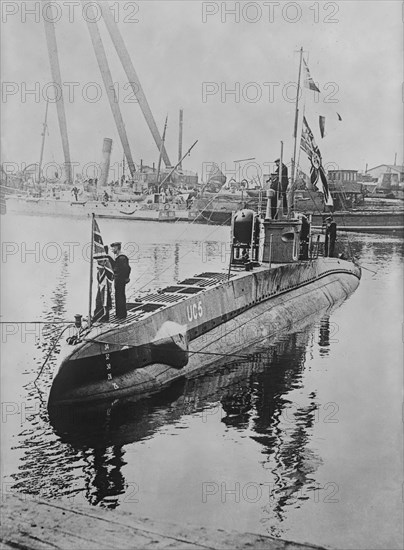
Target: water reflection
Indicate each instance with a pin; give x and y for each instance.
(250, 393)
(324, 336)
(104, 479)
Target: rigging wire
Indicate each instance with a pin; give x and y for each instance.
(51, 351)
(181, 234)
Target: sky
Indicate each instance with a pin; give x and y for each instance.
(231, 66)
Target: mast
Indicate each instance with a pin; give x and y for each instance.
(90, 293)
(45, 125)
(181, 119)
(161, 149)
(102, 61)
(296, 119)
(178, 163)
(57, 79)
(280, 175)
(133, 78)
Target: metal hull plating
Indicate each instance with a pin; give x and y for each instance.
(187, 327)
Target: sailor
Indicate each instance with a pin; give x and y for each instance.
(279, 188)
(304, 238)
(75, 191)
(121, 279)
(284, 182)
(330, 237)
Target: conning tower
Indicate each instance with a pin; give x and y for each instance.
(256, 240)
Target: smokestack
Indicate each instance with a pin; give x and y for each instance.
(106, 159)
(180, 139)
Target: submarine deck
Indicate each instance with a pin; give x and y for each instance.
(174, 294)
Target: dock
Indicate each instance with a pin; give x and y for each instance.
(36, 524)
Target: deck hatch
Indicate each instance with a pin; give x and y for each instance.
(151, 307)
(211, 279)
(132, 306)
(174, 288)
(190, 290)
(162, 298)
(192, 281)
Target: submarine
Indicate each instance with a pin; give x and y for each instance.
(280, 272)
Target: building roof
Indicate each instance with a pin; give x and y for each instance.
(396, 167)
(342, 170)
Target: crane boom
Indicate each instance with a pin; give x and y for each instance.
(57, 79)
(133, 78)
(102, 61)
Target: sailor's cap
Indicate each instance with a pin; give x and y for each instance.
(116, 244)
(277, 160)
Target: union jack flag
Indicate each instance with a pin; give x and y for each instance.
(317, 173)
(105, 274)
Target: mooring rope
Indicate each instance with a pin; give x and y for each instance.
(51, 351)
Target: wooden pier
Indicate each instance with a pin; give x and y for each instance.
(36, 524)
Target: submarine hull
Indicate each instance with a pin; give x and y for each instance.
(214, 324)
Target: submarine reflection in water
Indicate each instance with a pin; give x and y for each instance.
(249, 393)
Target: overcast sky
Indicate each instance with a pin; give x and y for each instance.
(181, 49)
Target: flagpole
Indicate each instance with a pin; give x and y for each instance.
(90, 294)
(278, 210)
(296, 118)
(176, 166)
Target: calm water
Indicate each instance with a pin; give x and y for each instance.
(304, 441)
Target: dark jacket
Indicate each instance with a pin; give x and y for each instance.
(121, 269)
(284, 179)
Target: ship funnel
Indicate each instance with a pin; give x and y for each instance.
(106, 159)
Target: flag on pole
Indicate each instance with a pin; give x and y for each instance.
(105, 276)
(216, 175)
(321, 122)
(308, 80)
(317, 174)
